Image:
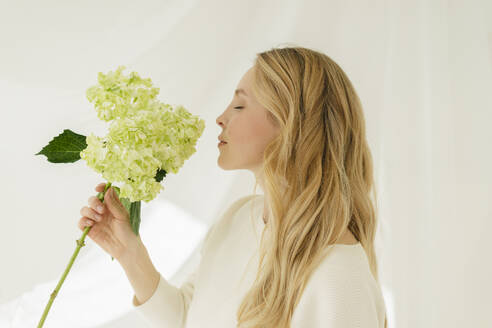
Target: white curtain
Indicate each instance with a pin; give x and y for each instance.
(423, 70)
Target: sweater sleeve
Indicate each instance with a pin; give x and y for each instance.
(168, 305)
(336, 299)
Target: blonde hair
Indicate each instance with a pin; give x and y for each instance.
(317, 176)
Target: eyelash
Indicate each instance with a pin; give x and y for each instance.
(238, 107)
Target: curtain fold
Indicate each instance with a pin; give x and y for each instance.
(422, 69)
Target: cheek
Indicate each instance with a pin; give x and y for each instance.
(253, 141)
(252, 130)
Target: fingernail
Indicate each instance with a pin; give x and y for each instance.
(99, 209)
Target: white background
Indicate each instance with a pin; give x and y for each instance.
(423, 70)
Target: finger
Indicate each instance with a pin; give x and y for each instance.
(96, 204)
(84, 222)
(114, 205)
(90, 213)
(100, 187)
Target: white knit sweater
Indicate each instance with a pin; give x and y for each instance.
(341, 293)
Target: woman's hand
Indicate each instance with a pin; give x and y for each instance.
(110, 221)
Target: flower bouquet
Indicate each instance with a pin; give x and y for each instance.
(146, 139)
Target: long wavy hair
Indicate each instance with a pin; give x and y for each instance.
(317, 176)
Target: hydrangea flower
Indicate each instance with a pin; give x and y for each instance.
(146, 139)
(145, 135)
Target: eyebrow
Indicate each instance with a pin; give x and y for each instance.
(238, 91)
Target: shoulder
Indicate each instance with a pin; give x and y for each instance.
(223, 223)
(227, 213)
(341, 291)
(226, 220)
(240, 202)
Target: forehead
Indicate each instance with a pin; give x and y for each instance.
(244, 84)
(240, 91)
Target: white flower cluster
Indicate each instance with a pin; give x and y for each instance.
(145, 135)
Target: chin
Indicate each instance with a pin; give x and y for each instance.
(228, 166)
(223, 166)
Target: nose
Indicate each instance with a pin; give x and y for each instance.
(222, 117)
(218, 120)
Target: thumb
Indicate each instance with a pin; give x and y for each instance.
(114, 204)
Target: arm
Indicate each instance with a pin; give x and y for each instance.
(141, 273)
(158, 302)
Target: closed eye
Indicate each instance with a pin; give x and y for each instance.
(238, 107)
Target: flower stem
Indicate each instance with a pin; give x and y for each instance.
(80, 243)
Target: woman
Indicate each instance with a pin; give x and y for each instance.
(296, 122)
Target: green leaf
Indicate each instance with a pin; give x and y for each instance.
(64, 148)
(160, 175)
(135, 216)
(133, 209)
